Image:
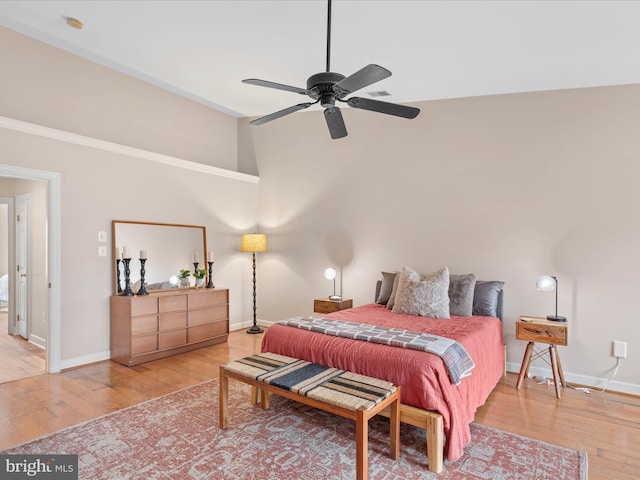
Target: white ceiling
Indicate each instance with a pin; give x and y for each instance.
(435, 49)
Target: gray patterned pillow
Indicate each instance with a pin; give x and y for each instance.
(461, 288)
(424, 296)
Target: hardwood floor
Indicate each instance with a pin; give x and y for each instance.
(18, 357)
(606, 426)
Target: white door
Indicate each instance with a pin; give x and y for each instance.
(22, 264)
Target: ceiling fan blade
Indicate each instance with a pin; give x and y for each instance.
(372, 73)
(278, 86)
(281, 113)
(383, 107)
(335, 122)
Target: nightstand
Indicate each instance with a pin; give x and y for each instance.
(325, 305)
(541, 330)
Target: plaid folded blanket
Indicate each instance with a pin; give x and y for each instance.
(456, 359)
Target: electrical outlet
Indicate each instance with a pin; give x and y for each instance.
(619, 349)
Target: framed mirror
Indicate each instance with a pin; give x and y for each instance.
(168, 247)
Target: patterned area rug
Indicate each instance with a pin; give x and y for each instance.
(177, 437)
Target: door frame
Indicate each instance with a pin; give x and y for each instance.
(11, 262)
(53, 263)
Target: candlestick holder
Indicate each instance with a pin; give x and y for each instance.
(195, 268)
(142, 290)
(210, 282)
(118, 275)
(127, 279)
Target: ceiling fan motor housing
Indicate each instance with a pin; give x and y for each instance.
(320, 86)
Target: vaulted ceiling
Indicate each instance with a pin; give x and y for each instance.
(435, 49)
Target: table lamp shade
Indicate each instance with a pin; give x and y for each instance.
(545, 283)
(330, 273)
(254, 242)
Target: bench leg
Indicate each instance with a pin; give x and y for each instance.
(362, 445)
(264, 399)
(224, 399)
(394, 429)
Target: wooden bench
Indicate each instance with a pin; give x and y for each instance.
(343, 393)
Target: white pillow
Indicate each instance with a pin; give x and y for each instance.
(424, 296)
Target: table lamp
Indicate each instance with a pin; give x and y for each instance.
(330, 274)
(547, 283)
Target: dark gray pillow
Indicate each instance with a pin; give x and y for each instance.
(485, 298)
(394, 290)
(385, 289)
(461, 293)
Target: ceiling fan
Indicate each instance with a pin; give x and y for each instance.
(329, 87)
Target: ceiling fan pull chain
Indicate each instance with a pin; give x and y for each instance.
(329, 37)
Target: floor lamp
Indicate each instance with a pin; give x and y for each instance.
(254, 242)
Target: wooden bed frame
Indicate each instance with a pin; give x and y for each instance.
(429, 420)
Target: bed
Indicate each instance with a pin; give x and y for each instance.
(428, 393)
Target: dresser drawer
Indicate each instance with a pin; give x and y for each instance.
(173, 303)
(204, 332)
(144, 344)
(144, 306)
(142, 325)
(171, 321)
(207, 315)
(208, 298)
(172, 339)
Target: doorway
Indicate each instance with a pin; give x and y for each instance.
(22, 343)
(47, 312)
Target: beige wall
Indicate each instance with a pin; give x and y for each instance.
(509, 187)
(47, 86)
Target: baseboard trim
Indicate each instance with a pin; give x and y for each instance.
(595, 383)
(38, 341)
(84, 360)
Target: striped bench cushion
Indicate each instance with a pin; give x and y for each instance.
(331, 385)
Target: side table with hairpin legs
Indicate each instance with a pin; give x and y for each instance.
(540, 330)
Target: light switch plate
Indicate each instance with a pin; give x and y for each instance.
(102, 251)
(102, 236)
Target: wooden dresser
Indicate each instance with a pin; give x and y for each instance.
(166, 323)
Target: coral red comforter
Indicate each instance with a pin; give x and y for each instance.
(422, 376)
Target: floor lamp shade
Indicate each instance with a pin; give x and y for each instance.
(254, 242)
